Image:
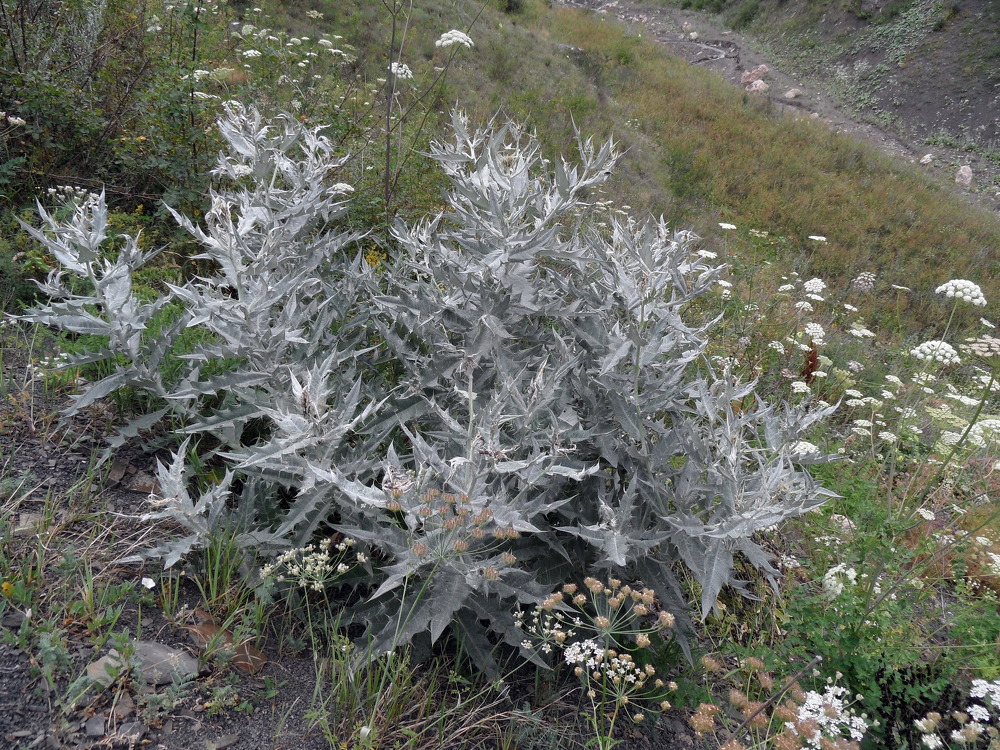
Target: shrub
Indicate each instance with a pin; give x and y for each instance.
(512, 399)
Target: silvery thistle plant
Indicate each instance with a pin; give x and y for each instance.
(512, 400)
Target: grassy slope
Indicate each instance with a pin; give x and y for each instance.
(699, 151)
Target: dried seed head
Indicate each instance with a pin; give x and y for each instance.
(711, 665)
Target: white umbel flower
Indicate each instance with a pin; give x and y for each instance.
(962, 289)
(401, 71)
(454, 36)
(936, 351)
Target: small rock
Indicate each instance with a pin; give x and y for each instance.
(223, 742)
(814, 116)
(927, 158)
(27, 524)
(144, 483)
(130, 734)
(754, 75)
(964, 176)
(118, 469)
(94, 726)
(124, 706)
(793, 93)
(162, 665)
(13, 619)
(693, 36)
(100, 670)
(758, 87)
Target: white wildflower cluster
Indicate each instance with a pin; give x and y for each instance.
(965, 728)
(803, 448)
(826, 717)
(726, 225)
(815, 332)
(936, 351)
(614, 614)
(859, 331)
(618, 668)
(836, 578)
(547, 628)
(296, 56)
(800, 386)
(312, 566)
(814, 286)
(864, 282)
(962, 289)
(70, 194)
(46, 365)
(454, 36)
(13, 119)
(401, 71)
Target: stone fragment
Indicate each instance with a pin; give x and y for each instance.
(144, 483)
(101, 670)
(693, 36)
(754, 75)
(13, 619)
(162, 665)
(27, 524)
(94, 726)
(118, 469)
(224, 742)
(159, 664)
(793, 93)
(758, 87)
(964, 176)
(124, 706)
(130, 734)
(927, 158)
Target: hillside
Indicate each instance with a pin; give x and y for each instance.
(925, 72)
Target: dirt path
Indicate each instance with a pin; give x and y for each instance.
(694, 37)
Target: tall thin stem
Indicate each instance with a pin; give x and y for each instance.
(390, 94)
